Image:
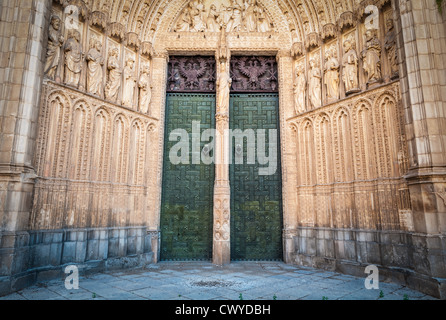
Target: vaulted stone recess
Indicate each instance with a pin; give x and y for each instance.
(357, 90)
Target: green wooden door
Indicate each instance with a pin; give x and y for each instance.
(256, 199)
(187, 191)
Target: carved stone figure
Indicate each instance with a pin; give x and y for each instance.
(223, 87)
(129, 83)
(372, 57)
(235, 22)
(185, 21)
(300, 85)
(73, 59)
(95, 62)
(332, 76)
(262, 24)
(145, 90)
(196, 15)
(114, 76)
(55, 42)
(350, 68)
(250, 20)
(390, 46)
(315, 92)
(212, 20)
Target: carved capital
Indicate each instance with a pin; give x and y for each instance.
(133, 40)
(346, 20)
(98, 19)
(116, 30)
(312, 40)
(297, 50)
(328, 31)
(147, 49)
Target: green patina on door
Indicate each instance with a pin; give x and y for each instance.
(187, 193)
(256, 200)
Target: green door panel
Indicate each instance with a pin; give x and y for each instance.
(256, 200)
(187, 191)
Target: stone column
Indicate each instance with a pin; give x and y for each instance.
(221, 237)
(288, 150)
(155, 155)
(23, 33)
(421, 42)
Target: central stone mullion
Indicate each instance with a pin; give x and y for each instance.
(222, 192)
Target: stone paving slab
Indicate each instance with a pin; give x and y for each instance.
(204, 281)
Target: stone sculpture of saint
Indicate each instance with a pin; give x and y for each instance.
(350, 68)
(250, 16)
(315, 90)
(129, 83)
(300, 85)
(55, 42)
(114, 76)
(73, 59)
(372, 57)
(262, 24)
(390, 46)
(332, 76)
(223, 87)
(235, 22)
(145, 90)
(95, 61)
(212, 20)
(196, 14)
(185, 21)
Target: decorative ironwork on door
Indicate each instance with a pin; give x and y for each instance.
(256, 200)
(187, 193)
(191, 74)
(254, 74)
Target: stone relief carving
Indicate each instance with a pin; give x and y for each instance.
(315, 90)
(114, 76)
(372, 57)
(350, 67)
(129, 83)
(223, 86)
(95, 61)
(246, 17)
(300, 85)
(55, 42)
(390, 46)
(332, 75)
(73, 58)
(145, 89)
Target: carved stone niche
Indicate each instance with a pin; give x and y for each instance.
(297, 50)
(117, 30)
(312, 40)
(98, 19)
(191, 74)
(133, 40)
(346, 20)
(328, 31)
